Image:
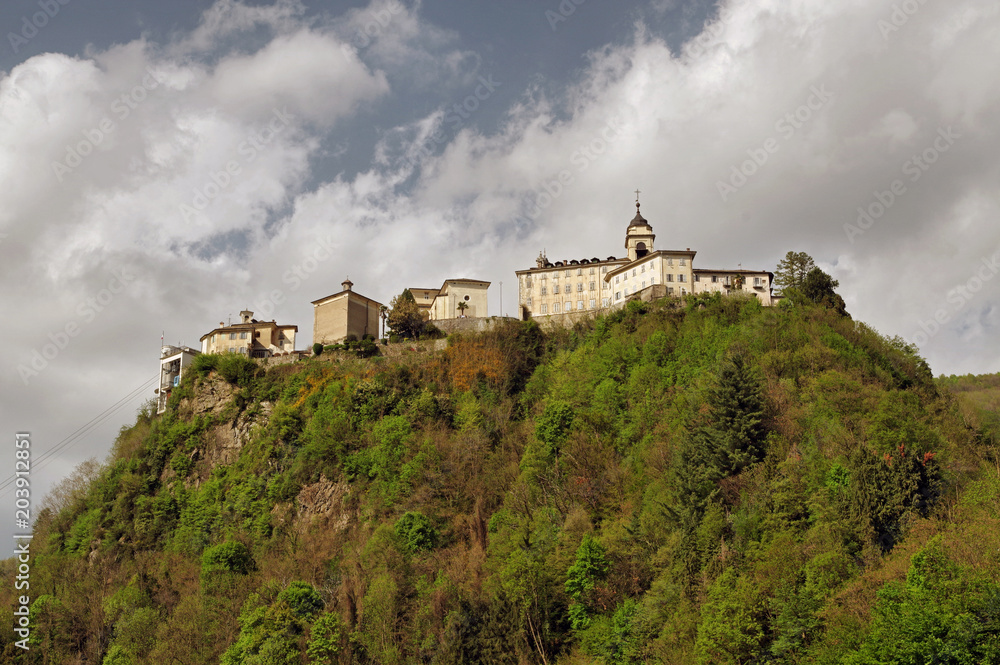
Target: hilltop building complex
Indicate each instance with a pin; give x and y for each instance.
(588, 285)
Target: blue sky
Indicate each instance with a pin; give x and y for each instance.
(166, 165)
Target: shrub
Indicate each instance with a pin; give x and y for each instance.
(416, 532)
(317, 349)
(232, 558)
(204, 364)
(303, 599)
(237, 369)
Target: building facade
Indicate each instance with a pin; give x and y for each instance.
(345, 313)
(173, 361)
(592, 285)
(424, 299)
(253, 338)
(470, 292)
(757, 282)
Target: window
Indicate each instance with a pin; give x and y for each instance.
(697, 278)
(232, 335)
(593, 270)
(232, 349)
(545, 308)
(593, 303)
(670, 290)
(243, 349)
(652, 279)
(683, 262)
(617, 277)
(643, 267)
(643, 283)
(626, 291)
(715, 278)
(670, 277)
(757, 281)
(633, 272)
(555, 308)
(579, 304)
(680, 277)
(566, 274)
(243, 335)
(527, 284)
(544, 290)
(618, 295)
(579, 287)
(555, 288)
(529, 301)
(670, 262)
(579, 271)
(604, 270)
(592, 286)
(569, 306)
(605, 302)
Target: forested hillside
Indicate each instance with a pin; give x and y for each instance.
(699, 482)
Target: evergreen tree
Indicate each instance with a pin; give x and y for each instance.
(737, 432)
(404, 316)
(792, 270)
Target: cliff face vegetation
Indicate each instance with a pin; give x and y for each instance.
(706, 482)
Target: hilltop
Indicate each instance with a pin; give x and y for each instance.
(697, 481)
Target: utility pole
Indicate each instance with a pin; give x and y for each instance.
(501, 299)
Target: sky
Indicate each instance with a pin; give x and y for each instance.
(165, 165)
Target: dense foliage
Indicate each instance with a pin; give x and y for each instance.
(705, 481)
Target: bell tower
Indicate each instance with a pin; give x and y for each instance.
(639, 237)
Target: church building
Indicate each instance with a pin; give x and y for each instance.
(589, 285)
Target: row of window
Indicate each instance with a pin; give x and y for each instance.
(757, 281)
(243, 335)
(566, 273)
(559, 308)
(569, 288)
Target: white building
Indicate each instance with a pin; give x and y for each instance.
(173, 361)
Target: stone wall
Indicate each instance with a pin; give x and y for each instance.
(471, 324)
(551, 322)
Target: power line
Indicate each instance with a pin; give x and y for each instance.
(83, 431)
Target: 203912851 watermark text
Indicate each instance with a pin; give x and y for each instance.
(22, 538)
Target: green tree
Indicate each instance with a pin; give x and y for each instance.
(416, 532)
(404, 315)
(462, 306)
(302, 598)
(220, 562)
(325, 638)
(941, 614)
(737, 433)
(819, 288)
(591, 565)
(792, 270)
(553, 426)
